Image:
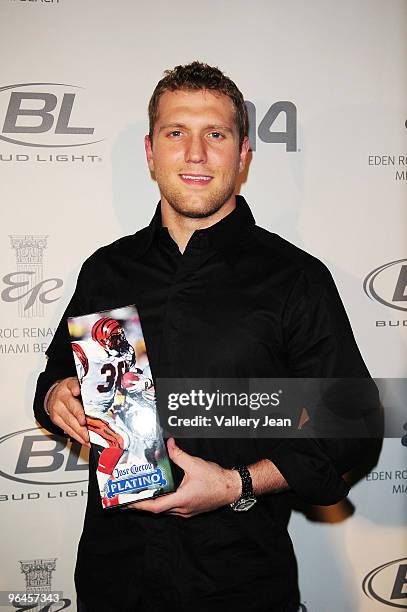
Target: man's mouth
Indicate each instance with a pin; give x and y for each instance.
(196, 179)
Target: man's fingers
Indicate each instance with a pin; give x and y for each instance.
(178, 456)
(72, 422)
(160, 504)
(66, 411)
(72, 429)
(73, 434)
(64, 416)
(71, 412)
(76, 408)
(73, 386)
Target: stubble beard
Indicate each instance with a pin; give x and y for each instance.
(208, 205)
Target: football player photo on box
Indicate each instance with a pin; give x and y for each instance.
(118, 397)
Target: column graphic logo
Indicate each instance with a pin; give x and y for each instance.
(38, 595)
(27, 286)
(38, 574)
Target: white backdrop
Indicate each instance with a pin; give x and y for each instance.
(340, 194)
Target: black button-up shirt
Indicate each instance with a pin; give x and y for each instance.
(239, 302)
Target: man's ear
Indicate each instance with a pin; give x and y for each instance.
(148, 146)
(243, 153)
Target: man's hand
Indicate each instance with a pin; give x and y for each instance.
(66, 411)
(205, 486)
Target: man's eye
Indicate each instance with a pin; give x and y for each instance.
(216, 135)
(175, 133)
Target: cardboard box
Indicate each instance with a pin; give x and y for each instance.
(119, 401)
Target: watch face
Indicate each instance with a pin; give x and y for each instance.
(244, 504)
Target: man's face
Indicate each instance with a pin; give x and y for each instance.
(195, 152)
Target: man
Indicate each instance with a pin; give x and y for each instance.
(218, 297)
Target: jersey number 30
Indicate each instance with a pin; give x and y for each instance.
(111, 374)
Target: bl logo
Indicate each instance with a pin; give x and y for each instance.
(387, 284)
(387, 583)
(33, 111)
(31, 457)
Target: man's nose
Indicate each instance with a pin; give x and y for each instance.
(196, 150)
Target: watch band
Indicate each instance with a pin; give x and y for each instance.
(247, 498)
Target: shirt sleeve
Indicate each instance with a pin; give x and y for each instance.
(60, 362)
(320, 344)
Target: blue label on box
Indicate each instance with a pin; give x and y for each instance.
(136, 483)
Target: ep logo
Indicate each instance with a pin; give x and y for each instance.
(27, 286)
(19, 287)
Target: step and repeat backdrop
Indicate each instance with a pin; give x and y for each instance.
(326, 89)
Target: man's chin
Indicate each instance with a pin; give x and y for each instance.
(199, 208)
(197, 213)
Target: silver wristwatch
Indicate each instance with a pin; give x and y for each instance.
(247, 499)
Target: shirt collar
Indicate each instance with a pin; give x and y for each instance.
(226, 236)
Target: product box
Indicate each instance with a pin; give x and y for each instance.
(119, 401)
